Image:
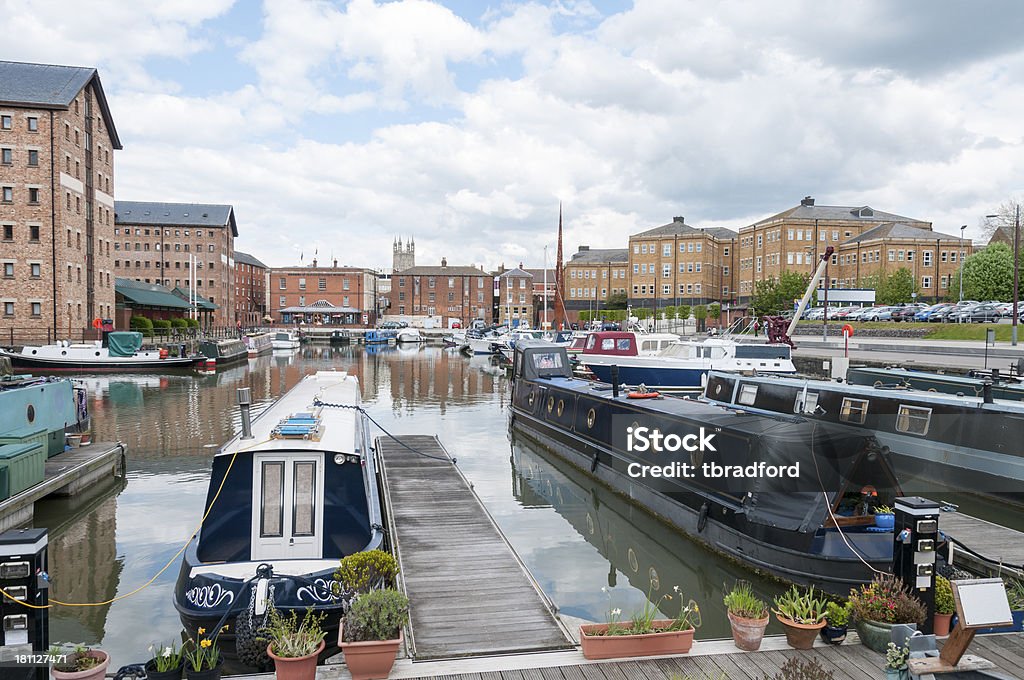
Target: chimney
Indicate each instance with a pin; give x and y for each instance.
(679, 219)
(314, 263)
(444, 262)
(807, 201)
(335, 263)
(583, 249)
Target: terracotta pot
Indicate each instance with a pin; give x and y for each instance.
(800, 635)
(97, 672)
(598, 646)
(297, 667)
(748, 633)
(153, 674)
(940, 624)
(371, 660)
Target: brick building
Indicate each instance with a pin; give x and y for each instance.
(680, 264)
(337, 296)
(453, 293)
(157, 243)
(57, 139)
(250, 289)
(591, 276)
(543, 282)
(515, 301)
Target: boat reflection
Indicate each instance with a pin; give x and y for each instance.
(643, 553)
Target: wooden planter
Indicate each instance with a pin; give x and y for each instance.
(297, 667)
(800, 635)
(97, 672)
(598, 646)
(371, 660)
(747, 633)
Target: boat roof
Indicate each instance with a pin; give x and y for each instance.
(335, 427)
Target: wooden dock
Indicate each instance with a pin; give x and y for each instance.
(469, 593)
(66, 474)
(991, 540)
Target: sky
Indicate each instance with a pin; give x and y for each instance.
(334, 127)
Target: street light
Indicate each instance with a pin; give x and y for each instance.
(1016, 268)
(962, 262)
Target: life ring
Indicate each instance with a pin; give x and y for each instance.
(97, 322)
(848, 330)
(643, 395)
(702, 518)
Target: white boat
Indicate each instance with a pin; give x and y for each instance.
(122, 352)
(258, 343)
(285, 340)
(409, 335)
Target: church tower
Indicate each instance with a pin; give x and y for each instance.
(403, 257)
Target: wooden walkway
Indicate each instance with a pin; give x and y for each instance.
(66, 474)
(469, 593)
(991, 540)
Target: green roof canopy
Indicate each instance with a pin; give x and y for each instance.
(148, 294)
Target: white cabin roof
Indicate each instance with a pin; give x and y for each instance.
(337, 425)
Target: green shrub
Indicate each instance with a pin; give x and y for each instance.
(192, 323)
(838, 615)
(944, 603)
(362, 571)
(143, 325)
(179, 323)
(376, 615)
(161, 325)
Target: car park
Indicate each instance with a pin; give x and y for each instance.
(877, 314)
(925, 314)
(986, 312)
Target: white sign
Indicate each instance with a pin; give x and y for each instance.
(864, 296)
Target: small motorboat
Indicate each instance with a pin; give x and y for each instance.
(120, 351)
(409, 335)
(285, 340)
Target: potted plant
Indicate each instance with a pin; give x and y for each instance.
(371, 632)
(837, 621)
(881, 604)
(945, 607)
(81, 663)
(896, 662)
(802, 615)
(363, 571)
(202, 658)
(294, 644)
(885, 518)
(748, 616)
(166, 663)
(642, 635)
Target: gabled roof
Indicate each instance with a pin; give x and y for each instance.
(899, 230)
(600, 256)
(147, 213)
(48, 86)
(516, 272)
(677, 227)
(246, 258)
(861, 213)
(440, 271)
(148, 294)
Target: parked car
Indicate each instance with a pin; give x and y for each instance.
(925, 314)
(905, 312)
(943, 315)
(389, 325)
(986, 312)
(877, 314)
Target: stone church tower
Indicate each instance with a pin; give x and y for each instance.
(403, 258)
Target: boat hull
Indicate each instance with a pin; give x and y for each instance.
(82, 365)
(653, 378)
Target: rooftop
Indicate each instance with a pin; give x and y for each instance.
(588, 255)
(807, 210)
(899, 230)
(246, 258)
(146, 213)
(678, 227)
(426, 270)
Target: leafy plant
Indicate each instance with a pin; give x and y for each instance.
(896, 657)
(202, 654)
(165, 658)
(1015, 593)
(76, 661)
(741, 602)
(883, 510)
(642, 621)
(944, 603)
(291, 638)
(838, 615)
(800, 669)
(801, 607)
(376, 615)
(363, 571)
(887, 600)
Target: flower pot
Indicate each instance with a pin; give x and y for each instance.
(800, 635)
(897, 673)
(940, 624)
(885, 520)
(876, 635)
(595, 645)
(153, 674)
(296, 667)
(747, 633)
(208, 674)
(370, 660)
(834, 635)
(95, 673)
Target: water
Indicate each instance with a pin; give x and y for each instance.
(589, 549)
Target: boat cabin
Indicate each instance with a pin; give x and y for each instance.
(627, 343)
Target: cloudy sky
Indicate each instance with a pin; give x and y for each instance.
(334, 126)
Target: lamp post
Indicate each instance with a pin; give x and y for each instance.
(962, 262)
(1016, 270)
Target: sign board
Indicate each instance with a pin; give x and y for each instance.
(983, 603)
(863, 296)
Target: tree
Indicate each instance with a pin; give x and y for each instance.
(715, 311)
(1005, 216)
(585, 316)
(988, 274)
(683, 311)
(616, 301)
(700, 313)
(895, 288)
(669, 312)
(771, 296)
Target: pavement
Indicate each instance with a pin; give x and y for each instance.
(939, 354)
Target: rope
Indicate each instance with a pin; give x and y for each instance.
(171, 561)
(355, 407)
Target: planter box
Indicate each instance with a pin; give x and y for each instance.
(597, 646)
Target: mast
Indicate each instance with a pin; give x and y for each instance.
(560, 315)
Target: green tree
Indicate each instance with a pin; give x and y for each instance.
(700, 313)
(988, 275)
(616, 301)
(683, 311)
(670, 312)
(715, 311)
(585, 316)
(772, 296)
(641, 312)
(895, 288)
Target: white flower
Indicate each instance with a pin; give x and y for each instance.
(603, 589)
(616, 612)
(167, 652)
(151, 649)
(675, 588)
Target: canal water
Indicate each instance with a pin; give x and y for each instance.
(590, 550)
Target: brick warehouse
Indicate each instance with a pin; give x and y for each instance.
(455, 293)
(157, 242)
(57, 139)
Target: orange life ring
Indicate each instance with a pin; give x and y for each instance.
(97, 322)
(643, 395)
(848, 330)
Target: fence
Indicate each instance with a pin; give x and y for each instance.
(15, 336)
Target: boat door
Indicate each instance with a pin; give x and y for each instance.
(288, 506)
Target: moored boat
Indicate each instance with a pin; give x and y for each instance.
(758, 512)
(223, 352)
(409, 335)
(118, 351)
(285, 503)
(258, 344)
(285, 340)
(1002, 386)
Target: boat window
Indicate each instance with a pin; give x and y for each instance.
(622, 344)
(547, 360)
(608, 344)
(913, 420)
(805, 403)
(853, 410)
(271, 517)
(649, 345)
(303, 511)
(591, 341)
(748, 394)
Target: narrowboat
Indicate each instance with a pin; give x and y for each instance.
(766, 489)
(377, 336)
(1003, 386)
(223, 352)
(258, 344)
(288, 497)
(963, 443)
(118, 351)
(340, 337)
